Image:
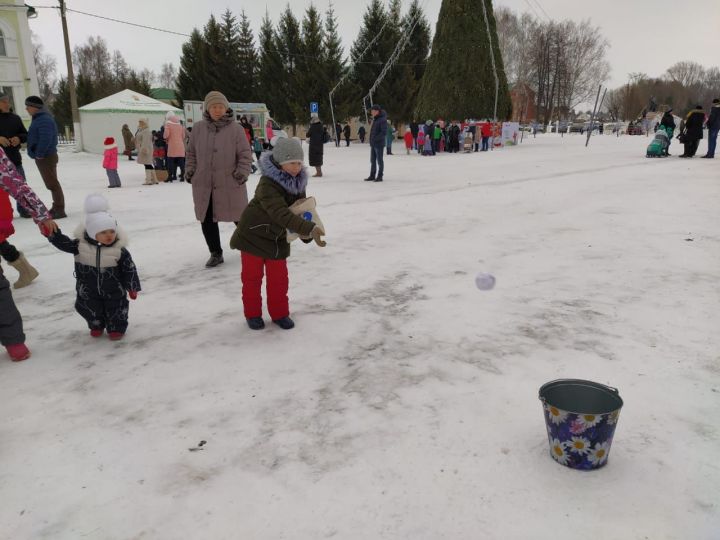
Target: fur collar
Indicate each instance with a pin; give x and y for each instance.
(292, 184)
(121, 239)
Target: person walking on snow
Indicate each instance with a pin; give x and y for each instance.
(261, 235)
(128, 141)
(144, 145)
(316, 144)
(693, 131)
(389, 137)
(175, 135)
(713, 125)
(378, 134)
(105, 273)
(668, 122)
(218, 166)
(11, 326)
(42, 142)
(409, 140)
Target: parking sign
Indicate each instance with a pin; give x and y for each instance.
(314, 107)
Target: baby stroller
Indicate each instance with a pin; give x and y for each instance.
(658, 147)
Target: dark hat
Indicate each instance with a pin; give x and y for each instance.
(698, 106)
(34, 101)
(375, 107)
(716, 100)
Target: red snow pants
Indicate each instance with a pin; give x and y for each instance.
(276, 286)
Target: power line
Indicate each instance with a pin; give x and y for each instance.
(532, 8)
(127, 22)
(542, 9)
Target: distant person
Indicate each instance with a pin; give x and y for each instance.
(409, 141)
(693, 131)
(485, 132)
(338, 133)
(12, 135)
(361, 134)
(346, 134)
(378, 134)
(316, 142)
(144, 145)
(668, 122)
(414, 130)
(42, 142)
(713, 125)
(128, 141)
(389, 136)
(218, 165)
(175, 136)
(110, 162)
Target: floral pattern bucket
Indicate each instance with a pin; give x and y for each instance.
(581, 417)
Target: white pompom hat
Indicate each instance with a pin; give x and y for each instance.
(97, 217)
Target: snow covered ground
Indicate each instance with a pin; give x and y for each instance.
(404, 403)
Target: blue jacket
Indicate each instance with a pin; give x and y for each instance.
(378, 130)
(42, 136)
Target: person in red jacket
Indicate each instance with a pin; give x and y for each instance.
(485, 131)
(110, 162)
(11, 327)
(9, 252)
(408, 137)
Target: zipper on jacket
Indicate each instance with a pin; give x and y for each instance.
(97, 267)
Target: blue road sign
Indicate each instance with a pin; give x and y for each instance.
(314, 107)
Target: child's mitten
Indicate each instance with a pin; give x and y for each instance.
(132, 295)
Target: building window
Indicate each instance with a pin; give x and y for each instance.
(3, 51)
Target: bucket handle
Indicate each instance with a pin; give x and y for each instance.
(611, 388)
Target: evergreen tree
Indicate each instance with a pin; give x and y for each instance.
(229, 52)
(414, 56)
(214, 61)
(312, 79)
(247, 62)
(459, 81)
(270, 72)
(191, 75)
(367, 68)
(333, 69)
(287, 42)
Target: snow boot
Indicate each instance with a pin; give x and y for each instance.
(148, 178)
(214, 260)
(96, 332)
(115, 336)
(370, 179)
(26, 270)
(286, 323)
(378, 179)
(18, 352)
(153, 177)
(318, 172)
(255, 323)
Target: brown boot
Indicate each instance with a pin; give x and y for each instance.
(26, 270)
(318, 172)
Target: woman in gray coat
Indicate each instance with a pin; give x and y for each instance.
(143, 143)
(217, 165)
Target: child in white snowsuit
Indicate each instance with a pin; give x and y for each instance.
(104, 270)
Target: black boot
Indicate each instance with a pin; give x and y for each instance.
(370, 179)
(256, 323)
(286, 323)
(214, 260)
(378, 179)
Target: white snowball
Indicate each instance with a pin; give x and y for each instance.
(484, 281)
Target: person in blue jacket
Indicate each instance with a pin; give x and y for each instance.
(378, 134)
(42, 147)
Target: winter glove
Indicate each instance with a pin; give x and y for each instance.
(317, 233)
(132, 295)
(239, 177)
(6, 228)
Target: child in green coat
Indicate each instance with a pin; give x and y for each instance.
(261, 234)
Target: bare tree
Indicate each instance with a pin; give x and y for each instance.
(45, 67)
(168, 76)
(686, 73)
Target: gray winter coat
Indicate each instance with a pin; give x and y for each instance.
(218, 163)
(143, 143)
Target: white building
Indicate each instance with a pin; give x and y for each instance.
(17, 69)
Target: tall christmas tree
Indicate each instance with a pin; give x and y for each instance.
(459, 81)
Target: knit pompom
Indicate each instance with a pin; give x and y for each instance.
(95, 203)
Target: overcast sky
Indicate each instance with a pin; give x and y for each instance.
(645, 35)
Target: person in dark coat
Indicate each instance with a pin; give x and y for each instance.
(129, 142)
(42, 142)
(713, 125)
(361, 134)
(693, 131)
(378, 134)
(668, 122)
(12, 135)
(338, 133)
(316, 142)
(346, 134)
(414, 130)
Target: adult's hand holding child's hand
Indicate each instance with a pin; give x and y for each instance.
(48, 227)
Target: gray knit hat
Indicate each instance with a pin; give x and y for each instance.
(287, 150)
(215, 97)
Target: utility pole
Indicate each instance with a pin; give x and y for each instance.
(71, 81)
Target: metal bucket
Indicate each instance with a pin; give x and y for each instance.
(580, 417)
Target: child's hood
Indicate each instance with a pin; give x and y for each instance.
(292, 184)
